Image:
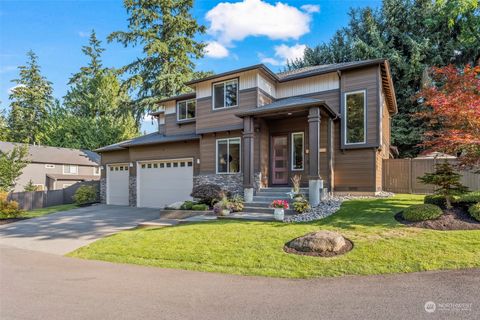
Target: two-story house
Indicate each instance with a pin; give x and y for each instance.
(252, 128)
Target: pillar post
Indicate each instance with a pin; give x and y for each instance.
(315, 182)
(248, 149)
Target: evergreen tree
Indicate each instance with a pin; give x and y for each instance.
(30, 99)
(413, 35)
(166, 30)
(3, 126)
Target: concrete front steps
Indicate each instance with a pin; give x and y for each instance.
(264, 197)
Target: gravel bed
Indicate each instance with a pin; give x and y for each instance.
(329, 206)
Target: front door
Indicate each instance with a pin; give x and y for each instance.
(279, 161)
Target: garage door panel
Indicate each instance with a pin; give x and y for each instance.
(161, 183)
(117, 184)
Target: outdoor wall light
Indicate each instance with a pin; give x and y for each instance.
(307, 151)
(130, 164)
(198, 160)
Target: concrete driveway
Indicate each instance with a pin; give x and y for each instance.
(63, 232)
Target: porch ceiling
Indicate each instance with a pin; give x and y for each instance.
(288, 105)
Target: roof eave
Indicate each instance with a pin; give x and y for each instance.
(296, 107)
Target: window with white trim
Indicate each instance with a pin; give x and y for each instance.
(297, 150)
(186, 110)
(225, 94)
(70, 169)
(228, 155)
(355, 117)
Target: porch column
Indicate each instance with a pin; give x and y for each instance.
(315, 182)
(248, 174)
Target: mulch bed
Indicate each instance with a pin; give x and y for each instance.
(454, 219)
(10, 220)
(348, 246)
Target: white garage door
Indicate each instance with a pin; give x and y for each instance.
(117, 184)
(160, 183)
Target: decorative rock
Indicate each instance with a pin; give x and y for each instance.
(175, 205)
(322, 242)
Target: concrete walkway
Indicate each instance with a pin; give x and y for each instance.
(63, 232)
(36, 285)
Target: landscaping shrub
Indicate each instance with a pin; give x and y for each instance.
(85, 194)
(420, 212)
(301, 206)
(200, 207)
(436, 200)
(237, 203)
(208, 193)
(474, 211)
(468, 198)
(8, 209)
(187, 205)
(223, 204)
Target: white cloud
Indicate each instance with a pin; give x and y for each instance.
(83, 34)
(284, 53)
(235, 21)
(215, 49)
(310, 8)
(11, 89)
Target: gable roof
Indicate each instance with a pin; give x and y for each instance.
(55, 155)
(151, 138)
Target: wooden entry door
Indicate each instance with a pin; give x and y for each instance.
(279, 160)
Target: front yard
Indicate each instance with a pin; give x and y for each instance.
(381, 245)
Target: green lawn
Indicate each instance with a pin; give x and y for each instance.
(44, 211)
(381, 245)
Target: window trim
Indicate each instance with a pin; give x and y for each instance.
(224, 93)
(293, 150)
(345, 94)
(228, 152)
(186, 110)
(70, 165)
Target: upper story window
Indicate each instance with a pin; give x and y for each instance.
(70, 169)
(225, 94)
(355, 117)
(186, 110)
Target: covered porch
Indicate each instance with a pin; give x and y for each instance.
(289, 137)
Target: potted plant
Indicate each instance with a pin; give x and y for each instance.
(278, 209)
(222, 207)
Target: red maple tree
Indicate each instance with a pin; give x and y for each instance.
(452, 103)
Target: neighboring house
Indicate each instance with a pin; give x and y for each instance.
(251, 128)
(53, 168)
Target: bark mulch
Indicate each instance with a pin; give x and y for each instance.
(348, 246)
(454, 219)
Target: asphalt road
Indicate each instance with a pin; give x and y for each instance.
(36, 285)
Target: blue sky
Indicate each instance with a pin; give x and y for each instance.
(241, 33)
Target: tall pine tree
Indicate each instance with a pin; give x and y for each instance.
(413, 35)
(30, 99)
(166, 31)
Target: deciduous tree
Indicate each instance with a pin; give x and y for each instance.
(11, 165)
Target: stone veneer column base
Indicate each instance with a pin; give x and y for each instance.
(229, 182)
(103, 190)
(132, 191)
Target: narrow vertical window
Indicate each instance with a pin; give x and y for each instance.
(297, 150)
(355, 127)
(228, 155)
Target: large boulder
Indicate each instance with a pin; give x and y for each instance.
(324, 243)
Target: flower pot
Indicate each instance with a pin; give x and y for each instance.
(278, 214)
(225, 212)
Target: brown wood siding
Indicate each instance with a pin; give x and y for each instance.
(209, 119)
(120, 156)
(183, 149)
(365, 79)
(354, 168)
(332, 98)
(208, 152)
(172, 127)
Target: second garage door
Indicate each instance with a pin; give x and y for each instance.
(163, 182)
(117, 184)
